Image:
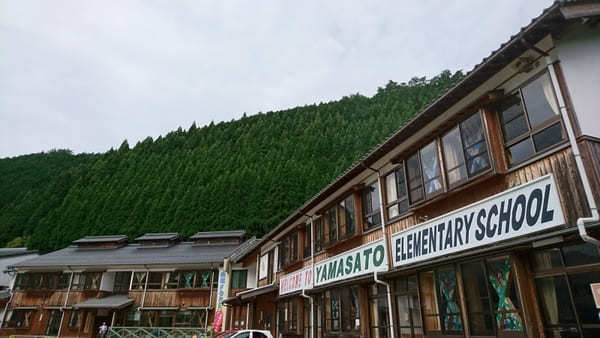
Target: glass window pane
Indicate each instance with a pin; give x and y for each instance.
(580, 254)
(390, 187)
(349, 211)
(547, 259)
(393, 211)
(512, 118)
(505, 301)
(449, 307)
(478, 301)
(453, 155)
(548, 137)
(472, 130)
(414, 178)
(520, 151)
(540, 102)
(431, 169)
(554, 300)
(429, 302)
(583, 298)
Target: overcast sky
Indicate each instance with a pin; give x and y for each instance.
(85, 75)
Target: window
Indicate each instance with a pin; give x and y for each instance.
(53, 323)
(75, 319)
(415, 181)
(22, 281)
(307, 241)
(139, 281)
(78, 281)
(63, 281)
(203, 279)
(288, 315)
(92, 280)
(342, 310)
(430, 165)
(306, 318)
(187, 279)
(49, 281)
(378, 311)
(563, 288)
(18, 319)
(396, 193)
(331, 224)
(409, 310)
(155, 280)
(171, 280)
(345, 213)
(319, 236)
(530, 120)
(122, 280)
(288, 250)
(492, 300)
(370, 200)
(440, 302)
(465, 151)
(239, 279)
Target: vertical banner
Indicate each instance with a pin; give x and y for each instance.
(218, 322)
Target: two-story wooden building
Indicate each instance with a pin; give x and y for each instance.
(157, 284)
(477, 218)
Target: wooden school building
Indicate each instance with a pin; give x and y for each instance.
(159, 285)
(477, 218)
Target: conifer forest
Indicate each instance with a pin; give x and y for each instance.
(247, 174)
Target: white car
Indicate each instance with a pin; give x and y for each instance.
(252, 334)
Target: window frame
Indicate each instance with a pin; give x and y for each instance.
(518, 92)
(376, 210)
(235, 278)
(468, 177)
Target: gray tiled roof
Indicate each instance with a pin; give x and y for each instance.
(101, 239)
(181, 253)
(5, 252)
(158, 236)
(218, 234)
(244, 249)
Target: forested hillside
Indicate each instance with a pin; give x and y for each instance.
(245, 174)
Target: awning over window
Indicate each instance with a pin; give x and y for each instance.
(112, 302)
(245, 295)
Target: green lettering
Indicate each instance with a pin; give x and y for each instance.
(357, 265)
(367, 254)
(332, 270)
(340, 269)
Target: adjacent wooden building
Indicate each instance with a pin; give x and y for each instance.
(477, 218)
(159, 283)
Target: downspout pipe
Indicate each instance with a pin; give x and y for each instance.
(312, 267)
(62, 318)
(595, 217)
(386, 250)
(145, 288)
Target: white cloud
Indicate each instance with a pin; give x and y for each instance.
(86, 75)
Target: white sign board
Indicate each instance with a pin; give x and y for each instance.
(295, 281)
(263, 266)
(362, 260)
(221, 288)
(528, 208)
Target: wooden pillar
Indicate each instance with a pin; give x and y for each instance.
(363, 298)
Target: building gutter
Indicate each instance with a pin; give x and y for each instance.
(595, 217)
(386, 250)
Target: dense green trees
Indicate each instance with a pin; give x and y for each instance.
(245, 174)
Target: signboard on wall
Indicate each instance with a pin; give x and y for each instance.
(362, 260)
(263, 266)
(296, 281)
(528, 208)
(596, 293)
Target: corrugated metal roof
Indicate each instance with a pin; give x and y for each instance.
(180, 253)
(156, 236)
(101, 239)
(219, 234)
(539, 27)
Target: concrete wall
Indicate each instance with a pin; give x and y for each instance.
(579, 54)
